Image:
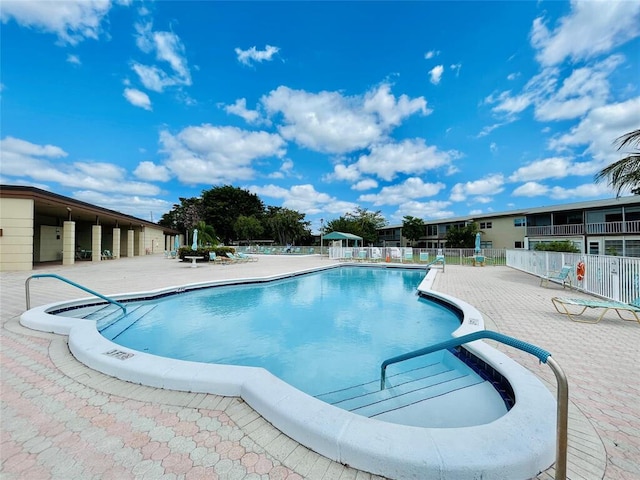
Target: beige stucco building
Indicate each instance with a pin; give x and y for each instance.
(37, 226)
(598, 227)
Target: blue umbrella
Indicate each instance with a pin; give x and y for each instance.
(176, 243)
(194, 245)
(477, 250)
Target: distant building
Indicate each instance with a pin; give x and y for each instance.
(610, 227)
(37, 226)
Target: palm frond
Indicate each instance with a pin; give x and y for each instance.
(632, 139)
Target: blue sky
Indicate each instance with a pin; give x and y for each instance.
(428, 109)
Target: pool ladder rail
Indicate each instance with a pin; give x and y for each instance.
(72, 283)
(541, 354)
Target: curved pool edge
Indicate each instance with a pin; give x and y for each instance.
(518, 445)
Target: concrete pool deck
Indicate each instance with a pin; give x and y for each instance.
(63, 420)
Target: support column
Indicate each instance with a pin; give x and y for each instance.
(141, 242)
(69, 243)
(96, 243)
(115, 248)
(130, 243)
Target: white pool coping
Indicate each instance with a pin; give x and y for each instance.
(518, 445)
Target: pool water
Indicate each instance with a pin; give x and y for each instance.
(319, 332)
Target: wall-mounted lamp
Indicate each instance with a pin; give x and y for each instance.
(69, 210)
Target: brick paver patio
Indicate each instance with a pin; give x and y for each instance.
(62, 420)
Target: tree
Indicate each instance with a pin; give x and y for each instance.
(224, 205)
(287, 226)
(362, 222)
(412, 228)
(462, 237)
(248, 228)
(206, 234)
(625, 173)
(183, 216)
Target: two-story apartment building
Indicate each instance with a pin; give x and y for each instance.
(609, 226)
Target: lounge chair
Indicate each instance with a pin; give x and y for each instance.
(562, 277)
(408, 255)
(560, 304)
(376, 256)
(424, 257)
(248, 258)
(107, 255)
(362, 255)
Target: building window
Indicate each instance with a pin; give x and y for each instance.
(485, 225)
(519, 245)
(432, 230)
(520, 222)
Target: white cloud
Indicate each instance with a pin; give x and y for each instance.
(240, 109)
(147, 208)
(513, 76)
(554, 167)
(425, 210)
(591, 28)
(137, 98)
(583, 89)
(431, 53)
(73, 59)
(490, 185)
(168, 48)
(410, 156)
(435, 74)
(598, 130)
(366, 184)
(456, 68)
(586, 88)
(208, 154)
(531, 189)
(247, 57)
(72, 20)
(411, 188)
(305, 198)
(151, 172)
(42, 163)
(328, 122)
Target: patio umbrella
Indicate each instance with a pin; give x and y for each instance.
(176, 243)
(477, 250)
(194, 245)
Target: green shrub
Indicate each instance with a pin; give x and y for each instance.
(557, 246)
(203, 252)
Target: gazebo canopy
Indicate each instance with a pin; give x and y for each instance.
(342, 236)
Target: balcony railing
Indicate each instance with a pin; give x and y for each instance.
(632, 226)
(555, 230)
(602, 228)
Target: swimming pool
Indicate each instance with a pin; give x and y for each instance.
(518, 444)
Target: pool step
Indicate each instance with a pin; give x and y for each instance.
(403, 389)
(113, 325)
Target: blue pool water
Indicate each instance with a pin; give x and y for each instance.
(318, 332)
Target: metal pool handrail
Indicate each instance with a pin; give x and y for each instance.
(543, 356)
(66, 280)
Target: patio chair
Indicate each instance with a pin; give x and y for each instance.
(562, 277)
(560, 304)
(424, 257)
(248, 258)
(107, 255)
(376, 256)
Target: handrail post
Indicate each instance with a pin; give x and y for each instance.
(562, 397)
(562, 422)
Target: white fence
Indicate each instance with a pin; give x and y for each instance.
(616, 278)
(453, 256)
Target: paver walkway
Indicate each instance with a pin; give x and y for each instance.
(63, 420)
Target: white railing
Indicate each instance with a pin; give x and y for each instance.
(453, 256)
(616, 278)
